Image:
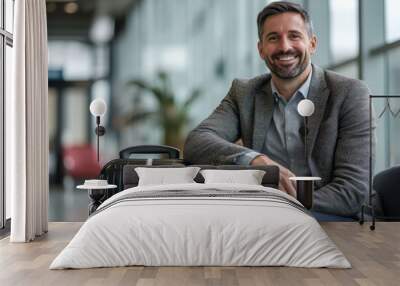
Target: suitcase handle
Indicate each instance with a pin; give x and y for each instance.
(173, 153)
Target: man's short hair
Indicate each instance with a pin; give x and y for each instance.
(280, 7)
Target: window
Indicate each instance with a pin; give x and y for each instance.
(9, 13)
(344, 29)
(72, 59)
(393, 123)
(392, 20)
(6, 43)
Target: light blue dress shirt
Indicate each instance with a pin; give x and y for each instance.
(284, 142)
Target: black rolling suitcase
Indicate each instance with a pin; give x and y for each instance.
(113, 170)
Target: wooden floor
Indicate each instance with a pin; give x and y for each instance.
(375, 257)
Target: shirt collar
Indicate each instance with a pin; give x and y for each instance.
(303, 89)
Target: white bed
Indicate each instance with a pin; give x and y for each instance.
(270, 229)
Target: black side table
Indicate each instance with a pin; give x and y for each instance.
(305, 190)
(96, 195)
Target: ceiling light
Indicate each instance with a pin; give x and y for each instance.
(102, 29)
(71, 8)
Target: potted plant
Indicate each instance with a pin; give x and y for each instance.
(170, 114)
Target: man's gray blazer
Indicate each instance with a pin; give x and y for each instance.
(338, 136)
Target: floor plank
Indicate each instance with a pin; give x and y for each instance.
(375, 257)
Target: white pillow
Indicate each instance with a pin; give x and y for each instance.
(165, 176)
(248, 177)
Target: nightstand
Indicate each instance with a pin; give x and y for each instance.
(96, 195)
(305, 190)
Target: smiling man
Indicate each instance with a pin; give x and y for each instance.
(262, 112)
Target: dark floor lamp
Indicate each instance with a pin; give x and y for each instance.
(98, 108)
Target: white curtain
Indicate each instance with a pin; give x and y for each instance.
(26, 123)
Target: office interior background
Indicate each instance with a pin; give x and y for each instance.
(191, 50)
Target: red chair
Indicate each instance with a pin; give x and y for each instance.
(80, 162)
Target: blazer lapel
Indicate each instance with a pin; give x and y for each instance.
(263, 108)
(318, 94)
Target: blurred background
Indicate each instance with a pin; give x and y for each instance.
(124, 50)
(163, 66)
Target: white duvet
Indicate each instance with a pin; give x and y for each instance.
(200, 231)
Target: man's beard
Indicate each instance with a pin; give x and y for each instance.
(290, 72)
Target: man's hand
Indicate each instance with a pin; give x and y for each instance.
(285, 184)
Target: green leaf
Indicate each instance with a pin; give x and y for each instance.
(154, 90)
(172, 116)
(192, 98)
(133, 118)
